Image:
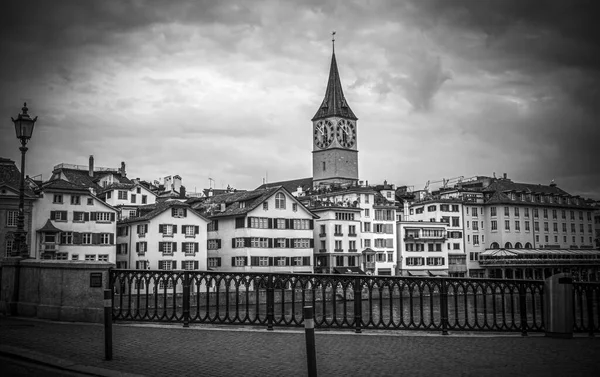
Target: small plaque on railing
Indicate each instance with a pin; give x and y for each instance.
(96, 280)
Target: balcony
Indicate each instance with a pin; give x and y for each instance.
(369, 265)
(322, 234)
(352, 250)
(351, 234)
(322, 250)
(49, 248)
(338, 250)
(141, 253)
(338, 234)
(167, 253)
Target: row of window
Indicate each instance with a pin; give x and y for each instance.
(75, 199)
(339, 246)
(268, 223)
(536, 226)
(83, 216)
(163, 247)
(262, 261)
(547, 198)
(433, 208)
(344, 216)
(77, 238)
(545, 213)
(278, 243)
(86, 257)
(420, 261)
(171, 229)
(122, 195)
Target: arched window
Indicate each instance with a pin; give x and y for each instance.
(494, 245)
(280, 201)
(528, 245)
(518, 245)
(508, 245)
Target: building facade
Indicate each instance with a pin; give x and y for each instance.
(168, 235)
(265, 230)
(10, 178)
(70, 223)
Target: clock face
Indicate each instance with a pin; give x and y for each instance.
(346, 133)
(323, 134)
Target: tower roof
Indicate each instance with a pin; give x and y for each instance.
(334, 103)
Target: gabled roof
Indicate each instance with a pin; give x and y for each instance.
(251, 200)
(334, 103)
(291, 185)
(61, 184)
(152, 210)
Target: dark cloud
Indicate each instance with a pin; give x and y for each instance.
(442, 88)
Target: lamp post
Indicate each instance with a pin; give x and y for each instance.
(24, 129)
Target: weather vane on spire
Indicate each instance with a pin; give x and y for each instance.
(333, 40)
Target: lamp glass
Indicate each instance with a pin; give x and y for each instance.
(24, 128)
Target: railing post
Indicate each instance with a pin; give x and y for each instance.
(444, 305)
(186, 299)
(589, 297)
(357, 305)
(270, 302)
(523, 308)
(108, 324)
(309, 332)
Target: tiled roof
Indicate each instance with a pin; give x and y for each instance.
(508, 185)
(232, 202)
(116, 186)
(11, 176)
(152, 210)
(499, 188)
(251, 199)
(291, 185)
(334, 103)
(82, 177)
(61, 184)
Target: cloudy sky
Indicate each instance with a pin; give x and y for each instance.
(227, 89)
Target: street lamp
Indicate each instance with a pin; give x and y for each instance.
(24, 129)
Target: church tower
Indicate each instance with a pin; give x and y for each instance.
(335, 153)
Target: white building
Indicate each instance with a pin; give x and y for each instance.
(127, 197)
(165, 236)
(264, 230)
(70, 223)
(422, 248)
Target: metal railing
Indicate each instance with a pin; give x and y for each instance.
(342, 301)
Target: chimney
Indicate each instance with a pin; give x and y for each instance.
(504, 175)
(223, 206)
(123, 173)
(176, 183)
(91, 171)
(182, 192)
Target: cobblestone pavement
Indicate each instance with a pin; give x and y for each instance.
(231, 351)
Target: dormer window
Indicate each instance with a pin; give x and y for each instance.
(242, 204)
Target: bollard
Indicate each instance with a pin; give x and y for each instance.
(309, 331)
(108, 324)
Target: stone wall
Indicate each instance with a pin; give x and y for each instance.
(55, 290)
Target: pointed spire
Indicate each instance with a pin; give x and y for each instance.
(334, 103)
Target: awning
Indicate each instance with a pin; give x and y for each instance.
(348, 270)
(438, 273)
(418, 273)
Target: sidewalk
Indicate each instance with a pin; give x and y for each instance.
(162, 350)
